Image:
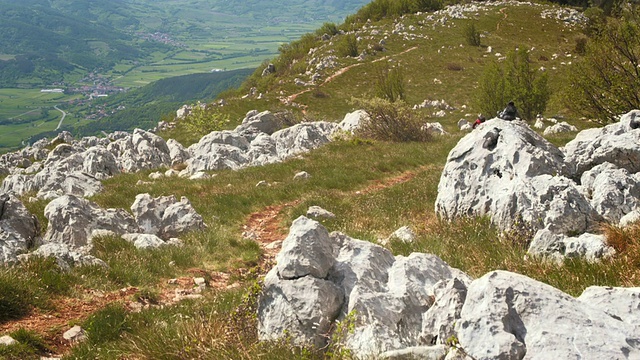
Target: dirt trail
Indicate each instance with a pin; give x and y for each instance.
(289, 99)
(265, 226)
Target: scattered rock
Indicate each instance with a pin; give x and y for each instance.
(73, 221)
(352, 121)
(319, 213)
(165, 216)
(559, 128)
(302, 175)
(404, 234)
(7, 340)
(19, 229)
(75, 335)
(66, 258)
(144, 241)
(507, 315)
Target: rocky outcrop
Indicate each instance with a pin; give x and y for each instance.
(75, 221)
(506, 171)
(19, 229)
(403, 307)
(140, 151)
(618, 144)
(320, 278)
(165, 216)
(508, 316)
(66, 257)
(256, 142)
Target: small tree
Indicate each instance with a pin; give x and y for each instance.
(527, 87)
(348, 46)
(204, 119)
(606, 82)
(389, 83)
(471, 35)
(515, 81)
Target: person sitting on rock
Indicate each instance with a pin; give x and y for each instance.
(509, 113)
(479, 121)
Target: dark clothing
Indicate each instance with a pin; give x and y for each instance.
(509, 113)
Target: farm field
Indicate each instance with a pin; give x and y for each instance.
(26, 112)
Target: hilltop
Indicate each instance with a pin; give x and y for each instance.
(218, 205)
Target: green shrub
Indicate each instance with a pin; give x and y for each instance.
(31, 339)
(204, 119)
(471, 35)
(390, 121)
(106, 325)
(389, 83)
(606, 81)
(328, 28)
(347, 46)
(515, 81)
(15, 297)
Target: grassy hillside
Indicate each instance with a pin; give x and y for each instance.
(373, 187)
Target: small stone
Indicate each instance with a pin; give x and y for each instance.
(75, 334)
(262, 183)
(302, 175)
(156, 175)
(200, 282)
(172, 281)
(171, 172)
(7, 340)
(318, 212)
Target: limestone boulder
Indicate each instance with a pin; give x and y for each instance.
(140, 151)
(177, 152)
(264, 122)
(382, 296)
(507, 171)
(144, 241)
(307, 250)
(19, 229)
(560, 128)
(66, 258)
(618, 144)
(262, 150)
(489, 166)
(74, 221)
(55, 183)
(620, 303)
(510, 316)
(301, 309)
(612, 191)
(165, 216)
(302, 138)
(352, 121)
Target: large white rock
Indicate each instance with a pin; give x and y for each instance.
(613, 192)
(510, 316)
(620, 303)
(264, 122)
(177, 152)
(140, 151)
(307, 250)
(19, 229)
(352, 121)
(300, 309)
(617, 143)
(303, 137)
(382, 298)
(165, 216)
(73, 221)
(144, 241)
